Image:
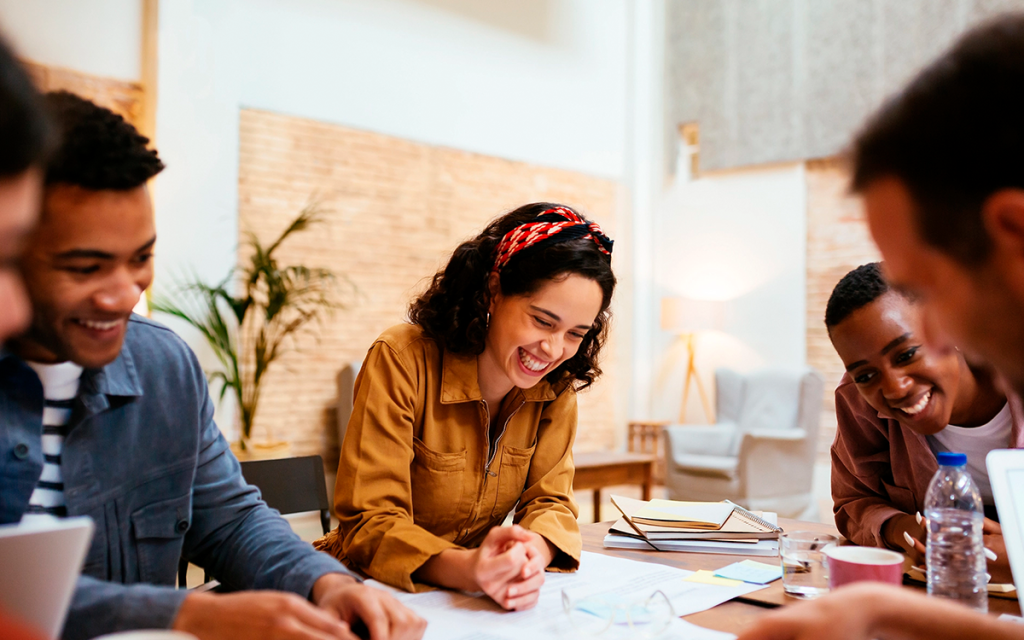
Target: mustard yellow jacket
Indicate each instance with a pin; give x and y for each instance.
(418, 474)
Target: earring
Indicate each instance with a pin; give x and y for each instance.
(487, 320)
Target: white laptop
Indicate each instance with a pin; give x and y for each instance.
(1006, 474)
(40, 563)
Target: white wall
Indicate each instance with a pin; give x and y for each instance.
(645, 179)
(575, 84)
(738, 236)
(541, 81)
(430, 71)
(467, 74)
(99, 37)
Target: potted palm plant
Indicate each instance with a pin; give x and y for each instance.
(249, 331)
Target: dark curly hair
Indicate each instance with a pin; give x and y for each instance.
(25, 133)
(857, 289)
(953, 137)
(453, 310)
(97, 149)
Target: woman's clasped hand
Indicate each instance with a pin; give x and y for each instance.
(509, 566)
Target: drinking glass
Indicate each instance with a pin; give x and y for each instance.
(804, 570)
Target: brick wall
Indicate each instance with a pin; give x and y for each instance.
(395, 209)
(837, 241)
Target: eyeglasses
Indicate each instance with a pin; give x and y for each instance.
(642, 619)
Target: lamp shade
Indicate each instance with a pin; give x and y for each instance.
(686, 315)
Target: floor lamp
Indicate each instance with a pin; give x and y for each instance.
(688, 317)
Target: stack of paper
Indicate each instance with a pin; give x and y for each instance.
(741, 532)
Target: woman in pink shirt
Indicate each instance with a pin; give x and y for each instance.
(897, 406)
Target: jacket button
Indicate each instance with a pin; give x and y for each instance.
(182, 526)
(21, 451)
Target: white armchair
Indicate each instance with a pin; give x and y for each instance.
(761, 451)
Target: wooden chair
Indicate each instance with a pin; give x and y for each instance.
(290, 485)
(648, 437)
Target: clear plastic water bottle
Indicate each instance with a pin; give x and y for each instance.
(956, 549)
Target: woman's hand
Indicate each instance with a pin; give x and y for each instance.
(999, 568)
(509, 566)
(524, 590)
(906, 525)
(896, 531)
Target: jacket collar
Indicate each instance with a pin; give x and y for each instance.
(460, 382)
(119, 378)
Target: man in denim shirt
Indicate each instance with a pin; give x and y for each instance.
(140, 453)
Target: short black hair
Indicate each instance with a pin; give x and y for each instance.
(954, 136)
(97, 148)
(857, 289)
(25, 132)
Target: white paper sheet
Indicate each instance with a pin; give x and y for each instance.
(457, 616)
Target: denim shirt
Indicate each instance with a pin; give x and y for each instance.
(144, 459)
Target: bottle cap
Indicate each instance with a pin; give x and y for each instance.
(950, 459)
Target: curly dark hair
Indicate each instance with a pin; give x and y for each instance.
(453, 310)
(25, 133)
(98, 149)
(953, 137)
(857, 289)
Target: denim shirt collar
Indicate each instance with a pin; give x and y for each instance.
(119, 378)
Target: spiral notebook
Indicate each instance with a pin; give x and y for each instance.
(740, 526)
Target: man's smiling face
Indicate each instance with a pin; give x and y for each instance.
(977, 308)
(85, 268)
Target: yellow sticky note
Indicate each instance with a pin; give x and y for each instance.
(708, 577)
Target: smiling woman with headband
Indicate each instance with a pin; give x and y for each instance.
(469, 412)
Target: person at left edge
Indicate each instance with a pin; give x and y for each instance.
(25, 132)
(129, 437)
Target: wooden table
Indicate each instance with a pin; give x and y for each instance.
(737, 614)
(601, 469)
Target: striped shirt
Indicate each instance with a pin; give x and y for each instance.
(60, 386)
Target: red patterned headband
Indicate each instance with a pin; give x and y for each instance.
(551, 226)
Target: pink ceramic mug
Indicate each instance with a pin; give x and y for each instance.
(856, 564)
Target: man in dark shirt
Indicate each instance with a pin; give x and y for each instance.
(140, 453)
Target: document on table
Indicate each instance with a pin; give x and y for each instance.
(457, 616)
